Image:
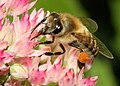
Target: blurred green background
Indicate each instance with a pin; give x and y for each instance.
(107, 14)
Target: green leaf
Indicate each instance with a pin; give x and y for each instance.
(43, 39)
(37, 47)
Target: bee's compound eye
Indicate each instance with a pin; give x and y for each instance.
(58, 29)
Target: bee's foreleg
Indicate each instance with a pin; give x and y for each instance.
(38, 24)
(39, 33)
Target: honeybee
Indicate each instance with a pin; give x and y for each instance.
(76, 32)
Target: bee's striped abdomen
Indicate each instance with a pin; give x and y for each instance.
(87, 43)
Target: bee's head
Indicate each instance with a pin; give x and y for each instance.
(53, 24)
(59, 24)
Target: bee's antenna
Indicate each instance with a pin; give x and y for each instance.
(41, 22)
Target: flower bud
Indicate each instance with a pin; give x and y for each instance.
(19, 72)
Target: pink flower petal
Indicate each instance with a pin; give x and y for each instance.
(38, 77)
(6, 57)
(1, 23)
(68, 79)
(15, 7)
(56, 72)
(91, 81)
(3, 45)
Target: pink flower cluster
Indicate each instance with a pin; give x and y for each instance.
(20, 61)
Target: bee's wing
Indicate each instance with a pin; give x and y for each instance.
(89, 23)
(103, 49)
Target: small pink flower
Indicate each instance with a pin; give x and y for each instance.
(7, 32)
(38, 77)
(18, 34)
(22, 47)
(91, 81)
(67, 79)
(72, 79)
(55, 72)
(6, 57)
(14, 7)
(36, 17)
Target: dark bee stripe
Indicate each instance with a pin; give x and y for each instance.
(89, 45)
